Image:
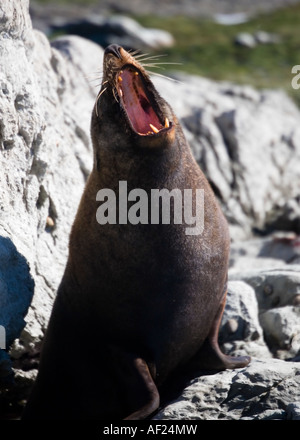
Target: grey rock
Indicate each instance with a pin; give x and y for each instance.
(274, 251)
(273, 288)
(45, 106)
(231, 19)
(116, 29)
(267, 389)
(263, 37)
(282, 330)
(240, 332)
(141, 37)
(285, 217)
(277, 291)
(16, 292)
(246, 40)
(293, 411)
(230, 127)
(252, 40)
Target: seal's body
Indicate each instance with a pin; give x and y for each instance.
(137, 301)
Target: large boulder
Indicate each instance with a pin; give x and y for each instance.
(267, 389)
(115, 30)
(46, 100)
(248, 144)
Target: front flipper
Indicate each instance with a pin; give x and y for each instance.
(210, 356)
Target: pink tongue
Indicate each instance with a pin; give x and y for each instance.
(137, 105)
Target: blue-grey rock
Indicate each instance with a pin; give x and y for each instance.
(16, 292)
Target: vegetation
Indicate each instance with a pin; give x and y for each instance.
(206, 48)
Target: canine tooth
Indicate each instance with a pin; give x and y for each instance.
(120, 92)
(167, 124)
(136, 73)
(120, 79)
(156, 130)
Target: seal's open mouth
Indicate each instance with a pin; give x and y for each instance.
(142, 111)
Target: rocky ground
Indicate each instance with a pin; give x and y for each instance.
(248, 144)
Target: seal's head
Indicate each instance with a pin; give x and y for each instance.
(128, 106)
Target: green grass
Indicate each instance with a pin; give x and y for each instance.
(206, 48)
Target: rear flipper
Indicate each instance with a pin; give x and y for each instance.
(134, 377)
(210, 356)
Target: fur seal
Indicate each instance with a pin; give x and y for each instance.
(137, 301)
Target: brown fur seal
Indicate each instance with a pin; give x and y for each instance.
(137, 301)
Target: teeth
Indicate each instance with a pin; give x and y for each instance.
(120, 79)
(167, 124)
(156, 130)
(121, 93)
(136, 73)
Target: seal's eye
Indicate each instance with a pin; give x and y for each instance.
(135, 100)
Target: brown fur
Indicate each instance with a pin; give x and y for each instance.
(136, 301)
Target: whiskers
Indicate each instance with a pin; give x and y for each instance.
(99, 96)
(145, 60)
(148, 62)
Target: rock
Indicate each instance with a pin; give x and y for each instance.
(273, 288)
(278, 294)
(13, 398)
(16, 292)
(231, 19)
(263, 37)
(245, 39)
(293, 411)
(285, 217)
(240, 332)
(282, 330)
(45, 106)
(252, 40)
(267, 389)
(116, 29)
(270, 252)
(230, 127)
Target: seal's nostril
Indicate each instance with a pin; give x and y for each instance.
(113, 49)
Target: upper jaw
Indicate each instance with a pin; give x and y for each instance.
(137, 96)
